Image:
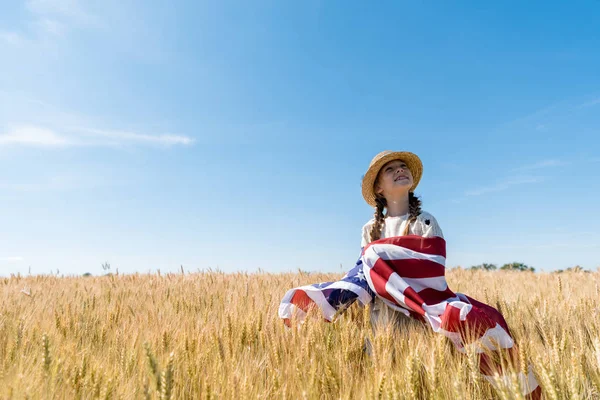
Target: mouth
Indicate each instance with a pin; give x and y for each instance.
(400, 178)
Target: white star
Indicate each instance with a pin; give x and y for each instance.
(361, 276)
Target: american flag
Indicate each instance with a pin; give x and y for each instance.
(408, 274)
(330, 297)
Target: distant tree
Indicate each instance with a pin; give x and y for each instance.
(87, 274)
(485, 266)
(517, 266)
(576, 268)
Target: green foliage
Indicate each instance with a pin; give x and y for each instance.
(517, 266)
(485, 267)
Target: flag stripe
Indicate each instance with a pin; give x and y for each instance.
(434, 245)
(417, 269)
(379, 275)
(433, 296)
(392, 252)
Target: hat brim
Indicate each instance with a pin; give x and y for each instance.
(413, 162)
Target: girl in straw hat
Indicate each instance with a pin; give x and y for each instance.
(402, 270)
(389, 186)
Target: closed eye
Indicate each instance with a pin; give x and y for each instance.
(390, 168)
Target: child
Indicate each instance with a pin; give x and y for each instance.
(402, 270)
(389, 185)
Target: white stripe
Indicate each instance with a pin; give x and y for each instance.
(395, 252)
(527, 383)
(396, 283)
(394, 287)
(367, 272)
(288, 310)
(453, 336)
(483, 344)
(418, 284)
(434, 312)
(493, 336)
(439, 308)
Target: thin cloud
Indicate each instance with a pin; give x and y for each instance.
(28, 135)
(542, 164)
(124, 137)
(12, 38)
(53, 183)
(590, 103)
(36, 136)
(544, 119)
(48, 20)
(12, 259)
(71, 10)
(51, 26)
(504, 185)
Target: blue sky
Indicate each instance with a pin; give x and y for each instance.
(222, 134)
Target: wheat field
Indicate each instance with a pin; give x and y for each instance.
(211, 335)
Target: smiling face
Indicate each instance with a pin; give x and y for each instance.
(394, 179)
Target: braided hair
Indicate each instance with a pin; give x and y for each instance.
(379, 218)
(414, 210)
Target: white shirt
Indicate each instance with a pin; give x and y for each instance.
(425, 225)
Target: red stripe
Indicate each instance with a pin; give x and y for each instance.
(535, 395)
(472, 329)
(415, 268)
(380, 273)
(434, 245)
(451, 319)
(490, 312)
(301, 300)
(431, 296)
(413, 300)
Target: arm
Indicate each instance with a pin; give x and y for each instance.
(431, 227)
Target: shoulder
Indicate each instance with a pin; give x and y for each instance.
(428, 225)
(366, 233)
(366, 229)
(427, 218)
(369, 224)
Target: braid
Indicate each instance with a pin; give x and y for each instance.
(379, 219)
(414, 210)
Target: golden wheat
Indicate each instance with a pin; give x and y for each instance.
(213, 335)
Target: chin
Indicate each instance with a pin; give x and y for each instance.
(403, 185)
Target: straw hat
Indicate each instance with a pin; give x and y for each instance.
(412, 161)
